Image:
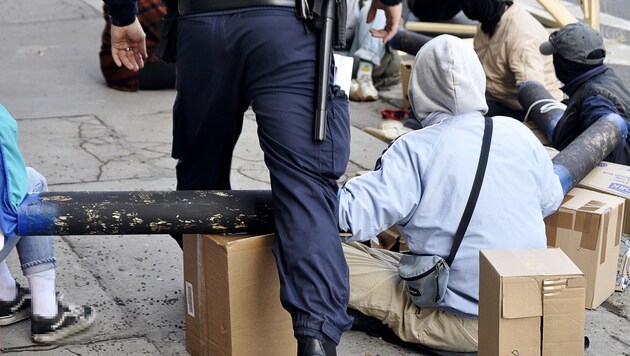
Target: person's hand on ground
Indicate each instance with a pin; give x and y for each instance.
(129, 46)
(392, 15)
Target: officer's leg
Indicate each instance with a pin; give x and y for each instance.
(312, 269)
(207, 114)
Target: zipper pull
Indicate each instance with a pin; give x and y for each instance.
(437, 282)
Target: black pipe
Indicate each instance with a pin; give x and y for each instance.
(146, 212)
(542, 108)
(576, 160)
(592, 146)
(409, 42)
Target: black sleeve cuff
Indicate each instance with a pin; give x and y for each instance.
(391, 2)
(122, 15)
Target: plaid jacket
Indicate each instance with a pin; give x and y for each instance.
(150, 13)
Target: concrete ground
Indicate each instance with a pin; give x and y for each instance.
(83, 136)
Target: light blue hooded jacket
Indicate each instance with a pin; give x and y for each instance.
(13, 178)
(422, 182)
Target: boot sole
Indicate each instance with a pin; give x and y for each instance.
(24, 314)
(65, 332)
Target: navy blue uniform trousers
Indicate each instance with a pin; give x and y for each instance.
(264, 56)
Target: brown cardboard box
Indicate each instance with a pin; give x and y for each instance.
(531, 302)
(538, 133)
(384, 241)
(587, 227)
(551, 151)
(233, 297)
(387, 239)
(390, 239)
(405, 73)
(611, 178)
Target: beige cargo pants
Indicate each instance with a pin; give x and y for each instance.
(376, 290)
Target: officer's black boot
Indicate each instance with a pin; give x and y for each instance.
(310, 346)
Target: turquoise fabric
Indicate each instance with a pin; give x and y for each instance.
(13, 178)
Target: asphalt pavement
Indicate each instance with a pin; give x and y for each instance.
(82, 135)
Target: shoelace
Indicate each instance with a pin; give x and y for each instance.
(67, 312)
(75, 310)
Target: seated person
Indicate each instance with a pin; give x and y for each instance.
(434, 11)
(593, 88)
(52, 320)
(421, 184)
(156, 74)
(506, 42)
(376, 65)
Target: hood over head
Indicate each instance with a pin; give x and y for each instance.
(447, 77)
(487, 12)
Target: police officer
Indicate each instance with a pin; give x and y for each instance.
(233, 54)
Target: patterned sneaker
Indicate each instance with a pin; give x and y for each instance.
(18, 309)
(70, 320)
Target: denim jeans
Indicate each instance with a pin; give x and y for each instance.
(36, 253)
(364, 46)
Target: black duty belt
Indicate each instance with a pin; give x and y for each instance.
(187, 7)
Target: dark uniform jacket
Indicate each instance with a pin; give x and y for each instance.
(596, 93)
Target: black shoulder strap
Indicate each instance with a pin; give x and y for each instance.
(474, 193)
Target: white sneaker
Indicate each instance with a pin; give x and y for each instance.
(362, 89)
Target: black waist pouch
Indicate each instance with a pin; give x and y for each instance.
(166, 47)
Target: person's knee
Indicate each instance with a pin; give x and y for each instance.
(36, 181)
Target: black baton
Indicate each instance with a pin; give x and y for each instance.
(325, 45)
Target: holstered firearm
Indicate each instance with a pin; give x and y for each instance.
(166, 49)
(329, 16)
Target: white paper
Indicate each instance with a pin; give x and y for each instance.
(343, 72)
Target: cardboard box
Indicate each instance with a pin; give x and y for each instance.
(233, 297)
(587, 227)
(611, 178)
(405, 73)
(623, 274)
(538, 133)
(387, 239)
(551, 151)
(531, 302)
(390, 239)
